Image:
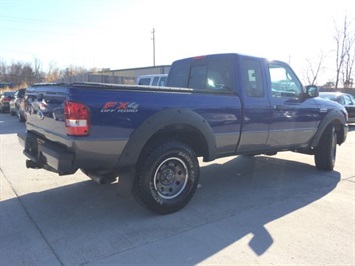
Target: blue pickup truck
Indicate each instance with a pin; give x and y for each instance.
(149, 138)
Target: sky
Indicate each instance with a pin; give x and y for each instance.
(117, 34)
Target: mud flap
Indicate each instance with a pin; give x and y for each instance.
(125, 181)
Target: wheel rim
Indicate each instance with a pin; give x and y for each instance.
(170, 178)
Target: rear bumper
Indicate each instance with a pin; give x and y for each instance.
(45, 154)
(66, 155)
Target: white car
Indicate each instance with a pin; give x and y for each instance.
(152, 80)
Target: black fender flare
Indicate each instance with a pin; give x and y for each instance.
(333, 115)
(152, 125)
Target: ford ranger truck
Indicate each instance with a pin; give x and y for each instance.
(150, 139)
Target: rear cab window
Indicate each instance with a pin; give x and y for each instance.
(203, 74)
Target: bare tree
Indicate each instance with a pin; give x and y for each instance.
(27, 75)
(313, 68)
(17, 71)
(21, 74)
(73, 71)
(345, 40)
(3, 71)
(38, 73)
(349, 60)
(53, 73)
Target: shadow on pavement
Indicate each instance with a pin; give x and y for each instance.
(10, 124)
(85, 222)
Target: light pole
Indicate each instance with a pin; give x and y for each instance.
(153, 32)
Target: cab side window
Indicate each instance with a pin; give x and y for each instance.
(284, 82)
(253, 83)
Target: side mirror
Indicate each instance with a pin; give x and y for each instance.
(312, 91)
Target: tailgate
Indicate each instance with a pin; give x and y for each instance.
(44, 108)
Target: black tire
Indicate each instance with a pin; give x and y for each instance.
(167, 177)
(325, 153)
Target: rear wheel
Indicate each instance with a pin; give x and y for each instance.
(167, 177)
(325, 153)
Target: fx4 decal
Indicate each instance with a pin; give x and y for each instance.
(120, 107)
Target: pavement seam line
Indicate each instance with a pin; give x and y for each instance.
(349, 179)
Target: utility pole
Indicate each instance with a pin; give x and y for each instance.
(153, 32)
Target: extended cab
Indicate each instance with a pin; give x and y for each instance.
(212, 106)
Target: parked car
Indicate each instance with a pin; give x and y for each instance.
(5, 101)
(152, 80)
(345, 99)
(16, 105)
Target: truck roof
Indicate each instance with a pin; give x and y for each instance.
(237, 55)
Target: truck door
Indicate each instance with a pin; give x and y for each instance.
(256, 107)
(293, 120)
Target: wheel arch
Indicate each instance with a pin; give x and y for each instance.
(334, 118)
(182, 124)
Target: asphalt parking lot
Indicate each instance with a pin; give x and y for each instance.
(276, 210)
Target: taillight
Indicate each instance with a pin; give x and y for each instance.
(76, 119)
(6, 99)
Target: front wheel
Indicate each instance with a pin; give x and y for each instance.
(167, 177)
(325, 153)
